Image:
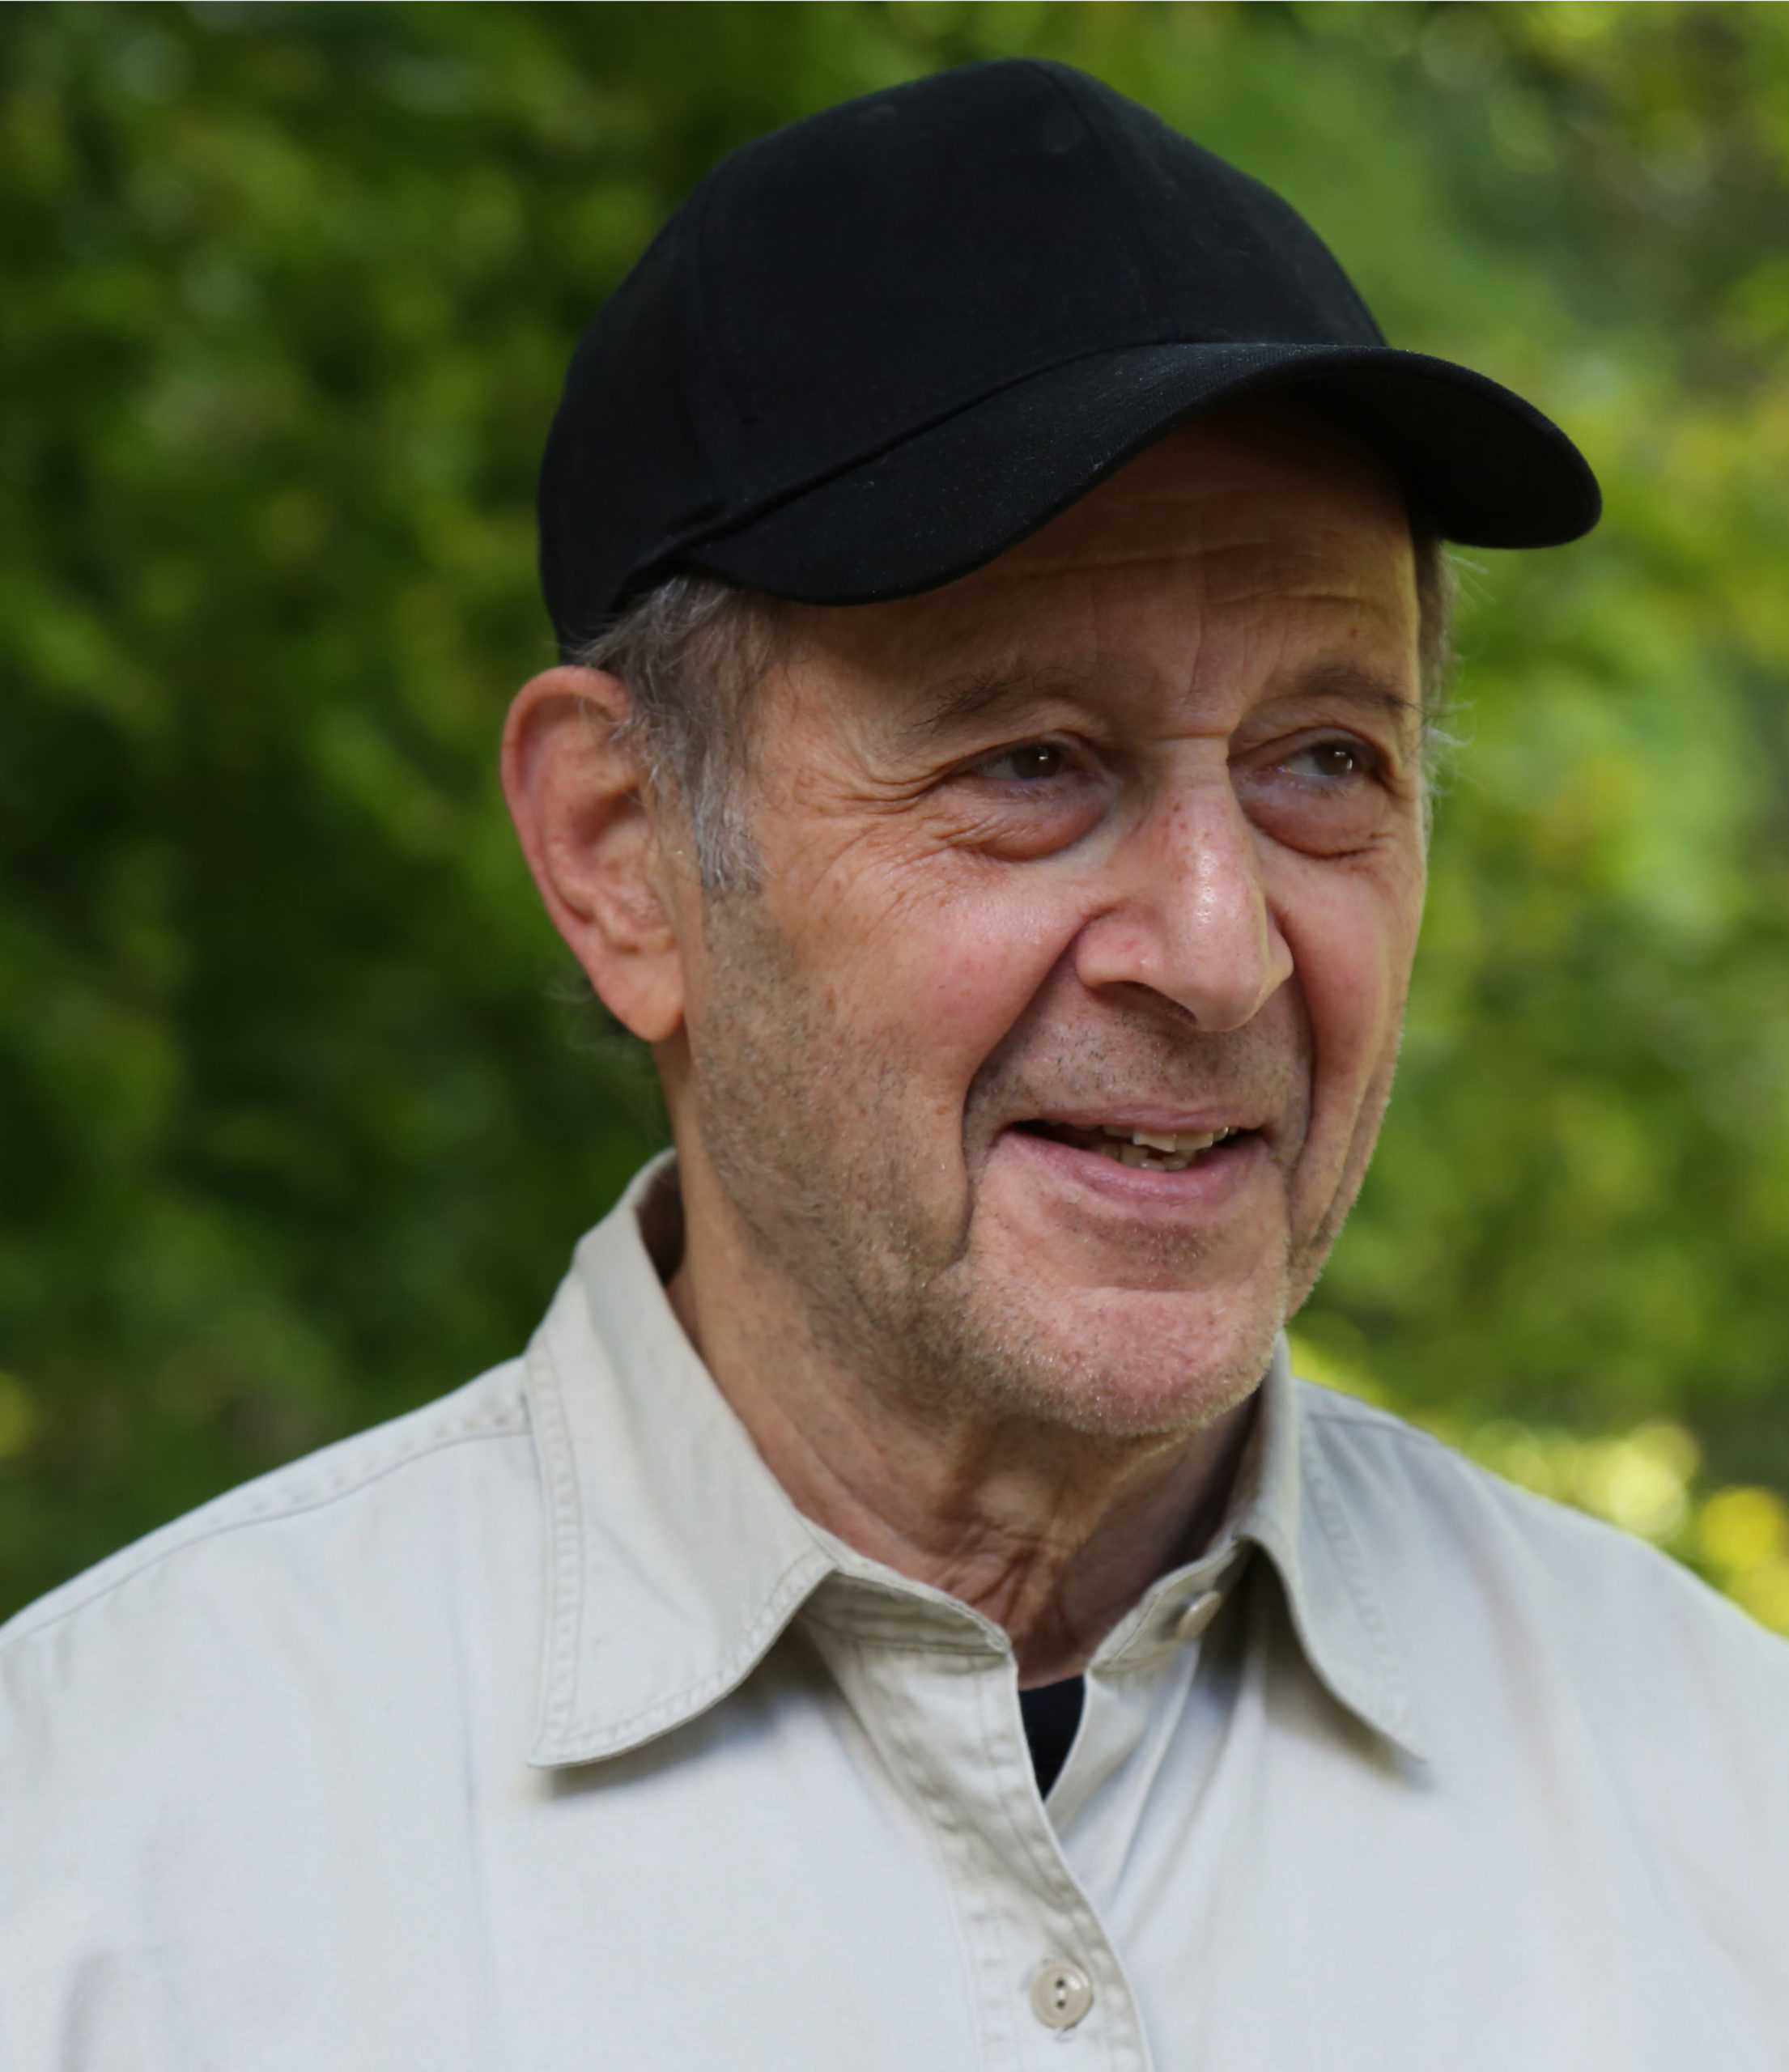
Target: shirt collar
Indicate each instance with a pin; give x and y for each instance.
(1295, 1513)
(675, 1558)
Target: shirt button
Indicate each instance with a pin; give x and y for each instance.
(1198, 1615)
(1060, 1993)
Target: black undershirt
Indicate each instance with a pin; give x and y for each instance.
(1052, 1712)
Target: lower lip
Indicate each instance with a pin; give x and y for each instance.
(1213, 1178)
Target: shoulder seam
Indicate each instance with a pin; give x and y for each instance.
(1332, 1408)
(511, 1421)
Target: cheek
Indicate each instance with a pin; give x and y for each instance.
(939, 971)
(1353, 937)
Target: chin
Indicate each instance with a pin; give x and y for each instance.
(1126, 1365)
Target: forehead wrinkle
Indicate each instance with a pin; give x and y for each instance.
(1187, 553)
(1016, 686)
(1197, 585)
(1317, 550)
(975, 692)
(1215, 507)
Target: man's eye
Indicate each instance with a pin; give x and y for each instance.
(1328, 761)
(1031, 763)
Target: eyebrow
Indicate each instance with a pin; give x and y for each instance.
(1357, 686)
(989, 693)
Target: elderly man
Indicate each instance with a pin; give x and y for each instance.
(902, 1613)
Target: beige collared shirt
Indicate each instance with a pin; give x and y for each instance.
(538, 1730)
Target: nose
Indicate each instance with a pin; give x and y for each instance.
(1184, 911)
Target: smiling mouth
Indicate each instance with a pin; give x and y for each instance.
(1154, 1151)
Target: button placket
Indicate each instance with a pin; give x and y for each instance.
(945, 1720)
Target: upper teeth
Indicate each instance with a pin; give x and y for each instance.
(1175, 1140)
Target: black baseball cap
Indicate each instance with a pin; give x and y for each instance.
(877, 348)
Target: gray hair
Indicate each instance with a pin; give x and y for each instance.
(692, 650)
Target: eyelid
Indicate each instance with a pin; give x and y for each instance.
(1368, 752)
(1072, 752)
(1377, 757)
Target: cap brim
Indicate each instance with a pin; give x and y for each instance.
(1478, 465)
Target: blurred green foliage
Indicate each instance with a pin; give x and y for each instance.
(292, 1131)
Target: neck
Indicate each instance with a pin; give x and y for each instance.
(1051, 1532)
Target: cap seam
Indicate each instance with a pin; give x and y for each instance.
(722, 355)
(1156, 300)
(1261, 379)
(723, 421)
(775, 501)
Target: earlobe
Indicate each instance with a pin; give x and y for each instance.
(590, 832)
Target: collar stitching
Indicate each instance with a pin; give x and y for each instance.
(559, 1744)
(1391, 1694)
(565, 1526)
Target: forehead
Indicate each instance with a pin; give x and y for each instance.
(1264, 503)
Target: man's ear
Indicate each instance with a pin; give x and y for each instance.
(592, 840)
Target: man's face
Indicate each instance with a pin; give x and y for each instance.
(1109, 850)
